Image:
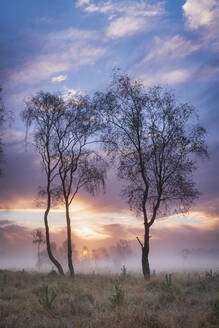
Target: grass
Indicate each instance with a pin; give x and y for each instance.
(108, 301)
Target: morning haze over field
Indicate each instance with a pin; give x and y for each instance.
(70, 48)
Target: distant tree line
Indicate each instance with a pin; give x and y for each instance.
(116, 255)
(151, 139)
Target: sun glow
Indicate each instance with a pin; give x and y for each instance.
(88, 233)
(85, 252)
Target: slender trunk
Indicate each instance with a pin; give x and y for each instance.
(51, 257)
(68, 221)
(145, 253)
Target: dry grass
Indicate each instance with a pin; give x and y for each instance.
(191, 300)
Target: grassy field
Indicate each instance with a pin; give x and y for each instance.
(106, 301)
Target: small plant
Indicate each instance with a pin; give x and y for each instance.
(168, 279)
(216, 308)
(202, 284)
(209, 275)
(168, 285)
(124, 271)
(117, 297)
(46, 299)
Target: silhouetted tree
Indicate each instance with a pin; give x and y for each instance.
(42, 111)
(64, 132)
(79, 166)
(39, 240)
(155, 140)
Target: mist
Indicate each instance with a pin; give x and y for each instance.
(114, 259)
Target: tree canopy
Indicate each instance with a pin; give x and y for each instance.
(154, 140)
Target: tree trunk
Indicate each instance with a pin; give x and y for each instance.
(51, 257)
(145, 253)
(68, 221)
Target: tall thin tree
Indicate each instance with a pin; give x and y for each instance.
(42, 111)
(79, 165)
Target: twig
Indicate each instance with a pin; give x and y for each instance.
(139, 242)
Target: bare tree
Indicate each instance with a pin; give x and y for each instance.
(64, 132)
(155, 140)
(79, 166)
(39, 240)
(41, 112)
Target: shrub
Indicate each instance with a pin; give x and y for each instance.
(47, 298)
(124, 271)
(117, 297)
(216, 308)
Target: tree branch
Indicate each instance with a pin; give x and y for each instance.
(139, 242)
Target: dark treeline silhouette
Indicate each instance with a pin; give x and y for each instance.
(151, 139)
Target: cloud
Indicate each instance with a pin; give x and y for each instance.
(175, 76)
(69, 58)
(125, 26)
(60, 52)
(173, 48)
(59, 78)
(71, 34)
(14, 239)
(5, 222)
(80, 3)
(43, 20)
(210, 208)
(162, 76)
(118, 231)
(125, 18)
(202, 17)
(166, 62)
(21, 174)
(185, 236)
(131, 8)
(201, 12)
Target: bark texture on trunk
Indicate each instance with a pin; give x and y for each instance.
(49, 251)
(70, 264)
(51, 257)
(145, 254)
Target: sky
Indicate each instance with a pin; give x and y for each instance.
(71, 47)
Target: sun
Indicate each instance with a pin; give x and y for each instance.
(85, 252)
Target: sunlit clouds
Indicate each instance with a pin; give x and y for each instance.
(59, 78)
(71, 49)
(201, 12)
